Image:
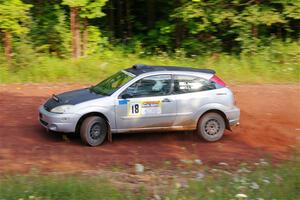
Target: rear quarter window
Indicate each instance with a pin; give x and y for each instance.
(189, 84)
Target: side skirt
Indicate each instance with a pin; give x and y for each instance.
(157, 129)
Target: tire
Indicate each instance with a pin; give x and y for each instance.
(93, 131)
(211, 127)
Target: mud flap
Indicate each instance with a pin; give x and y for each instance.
(109, 136)
(227, 124)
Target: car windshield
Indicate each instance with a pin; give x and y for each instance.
(111, 84)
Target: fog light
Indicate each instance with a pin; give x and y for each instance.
(53, 127)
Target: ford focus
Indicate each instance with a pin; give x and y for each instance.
(145, 98)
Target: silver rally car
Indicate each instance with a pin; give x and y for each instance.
(145, 98)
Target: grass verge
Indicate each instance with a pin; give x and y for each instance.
(259, 181)
(278, 64)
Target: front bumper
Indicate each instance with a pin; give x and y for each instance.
(58, 122)
(233, 116)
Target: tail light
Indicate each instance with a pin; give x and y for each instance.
(218, 81)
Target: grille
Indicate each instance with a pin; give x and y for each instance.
(43, 122)
(50, 104)
(47, 108)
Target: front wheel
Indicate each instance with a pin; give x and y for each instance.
(211, 126)
(93, 131)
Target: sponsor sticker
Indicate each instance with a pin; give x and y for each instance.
(144, 108)
(123, 102)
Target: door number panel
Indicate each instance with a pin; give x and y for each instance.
(144, 108)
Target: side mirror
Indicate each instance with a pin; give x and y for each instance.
(126, 96)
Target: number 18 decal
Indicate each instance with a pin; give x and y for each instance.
(134, 109)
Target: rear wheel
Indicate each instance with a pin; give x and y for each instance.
(211, 126)
(93, 131)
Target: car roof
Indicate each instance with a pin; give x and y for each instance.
(141, 69)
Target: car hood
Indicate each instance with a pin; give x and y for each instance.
(71, 98)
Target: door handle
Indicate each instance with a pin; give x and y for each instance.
(166, 100)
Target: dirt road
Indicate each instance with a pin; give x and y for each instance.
(270, 128)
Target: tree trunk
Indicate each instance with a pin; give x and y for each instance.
(111, 18)
(85, 36)
(75, 30)
(254, 31)
(128, 19)
(7, 46)
(151, 13)
(120, 20)
(178, 34)
(179, 30)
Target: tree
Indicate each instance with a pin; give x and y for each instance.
(245, 23)
(49, 31)
(75, 6)
(86, 9)
(193, 26)
(252, 17)
(90, 11)
(13, 16)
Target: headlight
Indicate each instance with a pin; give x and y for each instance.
(61, 109)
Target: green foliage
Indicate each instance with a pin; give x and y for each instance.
(13, 15)
(248, 23)
(23, 60)
(161, 35)
(57, 188)
(88, 8)
(75, 3)
(291, 8)
(259, 181)
(96, 42)
(263, 182)
(92, 9)
(279, 63)
(50, 33)
(202, 28)
(259, 15)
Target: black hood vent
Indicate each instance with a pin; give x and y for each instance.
(71, 98)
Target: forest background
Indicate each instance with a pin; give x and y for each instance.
(248, 41)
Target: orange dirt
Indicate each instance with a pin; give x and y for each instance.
(270, 128)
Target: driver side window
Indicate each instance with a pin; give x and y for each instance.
(157, 85)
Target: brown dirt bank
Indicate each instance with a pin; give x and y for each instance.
(270, 127)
